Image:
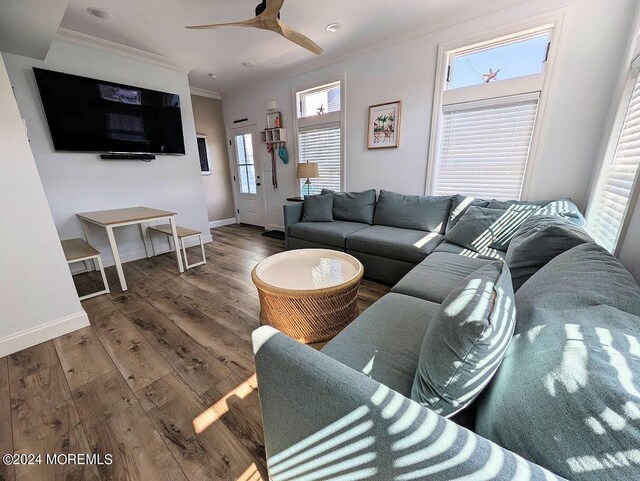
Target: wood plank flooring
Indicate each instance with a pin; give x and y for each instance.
(163, 379)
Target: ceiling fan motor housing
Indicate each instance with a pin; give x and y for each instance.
(261, 8)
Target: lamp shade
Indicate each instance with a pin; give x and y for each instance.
(308, 170)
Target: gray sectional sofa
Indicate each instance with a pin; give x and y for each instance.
(392, 235)
(562, 400)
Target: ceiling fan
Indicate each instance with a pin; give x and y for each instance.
(268, 18)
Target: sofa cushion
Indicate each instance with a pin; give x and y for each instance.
(564, 208)
(567, 395)
(460, 205)
(466, 341)
(487, 253)
(476, 229)
(516, 212)
(436, 276)
(328, 233)
(394, 243)
(384, 341)
(538, 240)
(353, 206)
(417, 212)
(586, 275)
(318, 208)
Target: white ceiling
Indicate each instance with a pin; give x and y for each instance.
(157, 26)
(26, 28)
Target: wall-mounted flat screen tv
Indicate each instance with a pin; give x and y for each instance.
(90, 115)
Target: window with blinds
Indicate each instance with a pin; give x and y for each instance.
(484, 147)
(321, 145)
(320, 135)
(609, 205)
(486, 127)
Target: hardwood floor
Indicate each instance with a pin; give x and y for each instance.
(163, 379)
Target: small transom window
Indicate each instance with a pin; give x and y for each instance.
(498, 61)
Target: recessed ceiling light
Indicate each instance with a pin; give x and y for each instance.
(248, 64)
(100, 13)
(333, 27)
(214, 75)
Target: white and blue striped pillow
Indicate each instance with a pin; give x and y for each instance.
(466, 341)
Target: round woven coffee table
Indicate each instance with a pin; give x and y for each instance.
(308, 294)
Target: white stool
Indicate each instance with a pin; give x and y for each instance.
(183, 233)
(78, 250)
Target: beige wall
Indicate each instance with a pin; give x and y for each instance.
(207, 113)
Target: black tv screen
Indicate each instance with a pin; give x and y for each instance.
(90, 115)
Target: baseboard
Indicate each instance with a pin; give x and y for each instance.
(221, 223)
(274, 227)
(45, 332)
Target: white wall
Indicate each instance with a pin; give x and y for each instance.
(38, 300)
(81, 182)
(592, 43)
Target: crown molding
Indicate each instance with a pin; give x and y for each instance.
(205, 93)
(84, 40)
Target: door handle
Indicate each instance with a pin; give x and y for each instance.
(258, 184)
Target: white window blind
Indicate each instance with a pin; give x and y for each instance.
(617, 179)
(322, 145)
(484, 146)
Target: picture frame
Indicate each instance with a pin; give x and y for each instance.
(274, 120)
(384, 125)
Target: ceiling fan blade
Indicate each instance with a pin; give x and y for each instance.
(252, 22)
(298, 38)
(273, 7)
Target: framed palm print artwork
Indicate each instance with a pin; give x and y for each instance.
(384, 125)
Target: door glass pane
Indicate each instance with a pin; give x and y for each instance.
(240, 149)
(517, 59)
(248, 148)
(245, 159)
(252, 179)
(244, 180)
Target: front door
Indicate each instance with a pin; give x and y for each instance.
(248, 179)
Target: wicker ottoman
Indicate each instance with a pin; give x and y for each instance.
(308, 294)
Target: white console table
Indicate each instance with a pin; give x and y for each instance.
(110, 219)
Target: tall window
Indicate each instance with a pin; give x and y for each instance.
(320, 135)
(618, 180)
(488, 114)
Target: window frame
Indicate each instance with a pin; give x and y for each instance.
(542, 82)
(319, 120)
(632, 76)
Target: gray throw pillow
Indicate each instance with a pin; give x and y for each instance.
(318, 208)
(477, 229)
(564, 208)
(353, 206)
(538, 240)
(516, 212)
(460, 205)
(417, 212)
(505, 204)
(466, 341)
(567, 395)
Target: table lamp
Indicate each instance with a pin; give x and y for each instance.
(308, 170)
